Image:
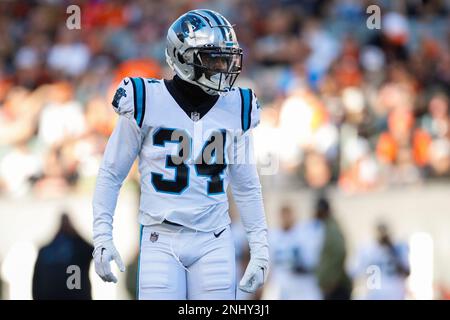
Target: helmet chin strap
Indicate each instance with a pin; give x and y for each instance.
(210, 90)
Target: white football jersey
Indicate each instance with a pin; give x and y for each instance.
(184, 160)
(298, 247)
(377, 265)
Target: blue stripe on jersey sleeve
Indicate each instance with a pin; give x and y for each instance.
(139, 86)
(246, 100)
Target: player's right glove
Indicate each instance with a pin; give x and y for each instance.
(103, 255)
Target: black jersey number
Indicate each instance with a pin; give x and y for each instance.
(210, 163)
(181, 180)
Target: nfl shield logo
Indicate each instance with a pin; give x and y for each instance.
(154, 236)
(195, 116)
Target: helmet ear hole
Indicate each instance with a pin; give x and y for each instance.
(180, 58)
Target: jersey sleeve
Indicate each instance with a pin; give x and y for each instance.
(130, 99)
(122, 149)
(247, 194)
(250, 109)
(244, 180)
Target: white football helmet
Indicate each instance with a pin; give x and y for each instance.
(202, 49)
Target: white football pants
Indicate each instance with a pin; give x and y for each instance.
(177, 263)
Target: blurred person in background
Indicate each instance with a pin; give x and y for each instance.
(59, 174)
(317, 171)
(279, 44)
(266, 140)
(308, 140)
(358, 168)
(68, 56)
(361, 172)
(19, 113)
(324, 49)
(392, 260)
(18, 169)
(331, 274)
(437, 121)
(51, 273)
(60, 124)
(437, 124)
(62, 118)
(20, 163)
(295, 249)
(403, 149)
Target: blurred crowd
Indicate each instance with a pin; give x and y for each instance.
(342, 103)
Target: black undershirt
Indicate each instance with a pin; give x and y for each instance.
(190, 97)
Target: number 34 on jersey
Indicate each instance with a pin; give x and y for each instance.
(182, 156)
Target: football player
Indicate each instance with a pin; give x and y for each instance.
(384, 267)
(295, 248)
(191, 134)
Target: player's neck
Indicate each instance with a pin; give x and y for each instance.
(192, 93)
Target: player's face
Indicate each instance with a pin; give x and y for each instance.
(215, 62)
(287, 218)
(219, 62)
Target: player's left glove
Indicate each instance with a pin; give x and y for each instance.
(255, 275)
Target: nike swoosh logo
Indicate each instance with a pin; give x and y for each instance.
(218, 234)
(101, 254)
(126, 82)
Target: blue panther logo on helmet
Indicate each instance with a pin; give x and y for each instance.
(181, 28)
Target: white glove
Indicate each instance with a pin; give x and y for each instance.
(103, 254)
(255, 275)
